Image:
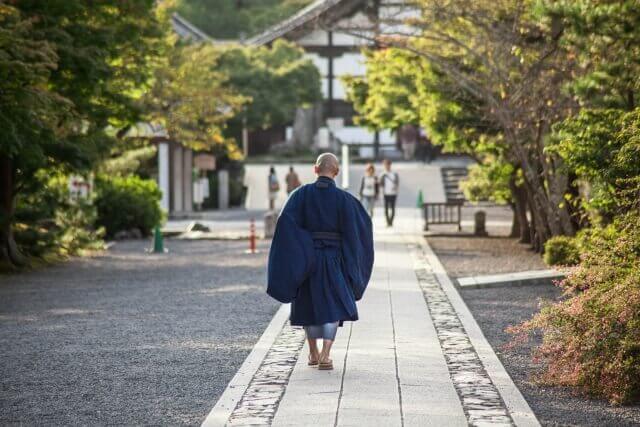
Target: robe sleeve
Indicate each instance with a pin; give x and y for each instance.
(291, 256)
(357, 245)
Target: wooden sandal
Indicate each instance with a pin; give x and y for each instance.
(326, 366)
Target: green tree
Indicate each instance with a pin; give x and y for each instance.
(275, 80)
(602, 147)
(604, 37)
(29, 112)
(506, 57)
(401, 86)
(65, 79)
(191, 99)
(598, 144)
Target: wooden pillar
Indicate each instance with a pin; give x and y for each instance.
(187, 180)
(177, 179)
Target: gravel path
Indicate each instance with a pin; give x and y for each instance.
(128, 337)
(497, 308)
(472, 256)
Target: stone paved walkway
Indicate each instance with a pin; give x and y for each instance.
(409, 361)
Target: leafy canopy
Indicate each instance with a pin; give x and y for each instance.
(66, 77)
(275, 80)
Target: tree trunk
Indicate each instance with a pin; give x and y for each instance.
(9, 251)
(515, 222)
(520, 211)
(558, 187)
(538, 231)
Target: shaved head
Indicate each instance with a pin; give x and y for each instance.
(327, 164)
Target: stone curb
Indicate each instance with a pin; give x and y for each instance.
(518, 407)
(229, 399)
(522, 278)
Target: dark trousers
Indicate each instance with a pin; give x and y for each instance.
(390, 208)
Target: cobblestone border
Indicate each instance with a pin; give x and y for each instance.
(260, 401)
(480, 399)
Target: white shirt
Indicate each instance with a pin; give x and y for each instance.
(389, 182)
(368, 186)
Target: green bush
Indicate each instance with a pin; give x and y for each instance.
(561, 250)
(128, 203)
(591, 337)
(50, 224)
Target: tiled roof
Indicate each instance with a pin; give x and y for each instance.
(186, 29)
(312, 12)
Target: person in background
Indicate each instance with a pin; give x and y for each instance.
(292, 180)
(390, 182)
(274, 187)
(369, 189)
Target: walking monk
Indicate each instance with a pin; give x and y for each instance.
(321, 258)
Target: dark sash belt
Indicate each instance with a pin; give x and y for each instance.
(325, 235)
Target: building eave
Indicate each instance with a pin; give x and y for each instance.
(186, 29)
(312, 14)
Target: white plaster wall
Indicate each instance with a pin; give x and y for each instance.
(322, 64)
(324, 86)
(348, 39)
(352, 64)
(339, 91)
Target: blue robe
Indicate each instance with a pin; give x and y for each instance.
(321, 254)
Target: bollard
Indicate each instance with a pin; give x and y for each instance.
(420, 200)
(270, 219)
(158, 241)
(480, 219)
(252, 237)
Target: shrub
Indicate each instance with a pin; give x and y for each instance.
(128, 203)
(49, 224)
(561, 250)
(591, 337)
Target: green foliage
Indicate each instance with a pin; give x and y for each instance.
(591, 338)
(203, 88)
(48, 223)
(603, 37)
(561, 250)
(602, 147)
(488, 180)
(84, 75)
(232, 19)
(69, 70)
(30, 110)
(190, 100)
(275, 81)
(125, 203)
(129, 162)
(402, 87)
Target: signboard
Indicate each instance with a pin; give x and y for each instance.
(79, 187)
(205, 162)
